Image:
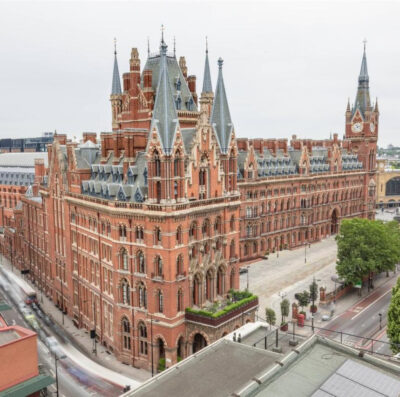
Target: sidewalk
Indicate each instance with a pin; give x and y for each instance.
(81, 339)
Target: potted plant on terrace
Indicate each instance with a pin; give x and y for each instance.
(304, 300)
(285, 307)
(313, 296)
(270, 316)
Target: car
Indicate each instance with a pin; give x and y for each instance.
(243, 270)
(31, 320)
(54, 347)
(325, 317)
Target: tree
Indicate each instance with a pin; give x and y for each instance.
(365, 247)
(313, 291)
(285, 307)
(270, 316)
(303, 298)
(393, 326)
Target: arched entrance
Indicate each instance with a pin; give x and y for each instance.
(161, 354)
(180, 349)
(334, 222)
(198, 342)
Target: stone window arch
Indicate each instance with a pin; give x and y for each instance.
(180, 300)
(142, 338)
(142, 295)
(125, 292)
(158, 263)
(179, 265)
(160, 301)
(179, 235)
(126, 333)
(123, 259)
(157, 236)
(140, 263)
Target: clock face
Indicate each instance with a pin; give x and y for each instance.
(372, 127)
(357, 127)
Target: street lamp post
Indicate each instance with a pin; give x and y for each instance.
(62, 299)
(95, 327)
(56, 361)
(334, 293)
(380, 320)
(248, 267)
(305, 251)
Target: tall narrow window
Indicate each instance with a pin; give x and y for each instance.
(126, 334)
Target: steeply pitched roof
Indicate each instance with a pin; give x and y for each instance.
(220, 115)
(207, 86)
(363, 101)
(116, 82)
(165, 118)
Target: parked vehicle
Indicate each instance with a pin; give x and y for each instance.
(54, 347)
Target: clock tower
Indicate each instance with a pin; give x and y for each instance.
(362, 124)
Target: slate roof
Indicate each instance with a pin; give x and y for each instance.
(188, 135)
(207, 86)
(363, 101)
(22, 159)
(17, 176)
(220, 116)
(165, 118)
(177, 82)
(116, 82)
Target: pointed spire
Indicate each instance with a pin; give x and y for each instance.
(116, 82)
(220, 115)
(174, 47)
(363, 101)
(148, 46)
(348, 105)
(165, 118)
(207, 86)
(376, 105)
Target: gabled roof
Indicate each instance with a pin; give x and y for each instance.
(165, 118)
(220, 115)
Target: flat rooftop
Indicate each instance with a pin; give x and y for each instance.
(213, 372)
(7, 336)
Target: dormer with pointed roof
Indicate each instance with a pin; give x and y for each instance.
(220, 116)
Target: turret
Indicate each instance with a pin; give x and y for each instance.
(116, 91)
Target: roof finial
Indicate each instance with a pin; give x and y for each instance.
(162, 33)
(206, 45)
(174, 47)
(115, 46)
(148, 46)
(365, 43)
(220, 63)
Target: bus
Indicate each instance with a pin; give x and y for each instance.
(28, 292)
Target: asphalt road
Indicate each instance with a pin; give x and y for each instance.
(73, 379)
(363, 320)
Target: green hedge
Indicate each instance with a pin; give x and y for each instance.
(225, 310)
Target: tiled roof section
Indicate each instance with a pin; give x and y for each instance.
(177, 81)
(220, 115)
(207, 86)
(116, 82)
(109, 181)
(17, 176)
(280, 164)
(165, 118)
(363, 100)
(24, 159)
(188, 135)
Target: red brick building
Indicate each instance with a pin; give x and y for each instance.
(126, 232)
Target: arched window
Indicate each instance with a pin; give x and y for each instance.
(232, 279)
(122, 231)
(123, 260)
(197, 290)
(158, 266)
(125, 292)
(220, 281)
(140, 265)
(157, 164)
(180, 301)
(142, 295)
(232, 249)
(139, 234)
(179, 265)
(157, 236)
(142, 339)
(178, 235)
(158, 191)
(177, 171)
(126, 334)
(193, 231)
(218, 225)
(160, 301)
(232, 223)
(205, 228)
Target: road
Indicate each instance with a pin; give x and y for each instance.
(362, 320)
(77, 375)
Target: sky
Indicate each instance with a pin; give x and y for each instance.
(289, 67)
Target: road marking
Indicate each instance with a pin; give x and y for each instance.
(372, 303)
(52, 372)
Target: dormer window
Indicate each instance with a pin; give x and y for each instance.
(178, 84)
(189, 104)
(178, 103)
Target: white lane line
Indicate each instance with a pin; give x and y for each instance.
(372, 303)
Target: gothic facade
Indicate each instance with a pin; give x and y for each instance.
(127, 231)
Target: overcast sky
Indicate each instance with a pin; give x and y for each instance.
(289, 66)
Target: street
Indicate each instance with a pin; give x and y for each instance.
(77, 375)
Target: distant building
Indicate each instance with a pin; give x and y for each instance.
(19, 370)
(36, 144)
(388, 185)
